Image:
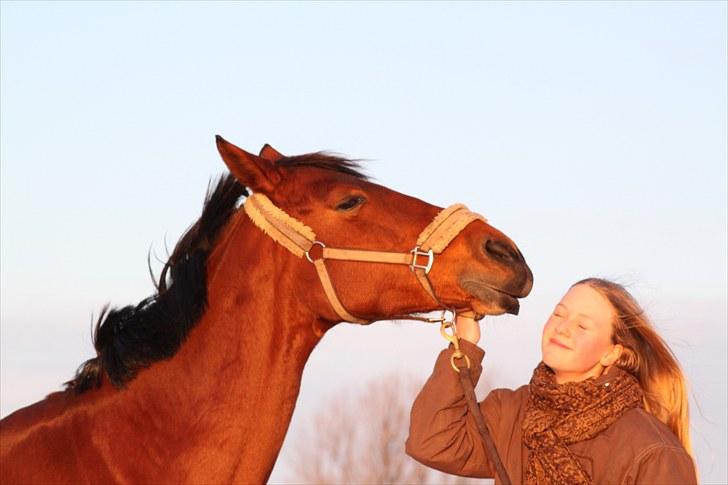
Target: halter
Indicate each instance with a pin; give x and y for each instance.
(300, 239)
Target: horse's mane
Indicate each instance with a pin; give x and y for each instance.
(131, 338)
(325, 161)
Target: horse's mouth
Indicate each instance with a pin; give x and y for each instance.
(488, 300)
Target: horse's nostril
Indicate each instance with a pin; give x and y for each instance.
(499, 250)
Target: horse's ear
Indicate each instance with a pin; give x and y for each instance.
(251, 171)
(270, 153)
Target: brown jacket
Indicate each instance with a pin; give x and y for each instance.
(637, 448)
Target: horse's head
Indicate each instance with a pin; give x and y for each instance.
(480, 268)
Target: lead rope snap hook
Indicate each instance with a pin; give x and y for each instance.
(453, 339)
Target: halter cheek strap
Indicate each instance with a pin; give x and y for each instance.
(300, 239)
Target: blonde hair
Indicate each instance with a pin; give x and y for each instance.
(647, 357)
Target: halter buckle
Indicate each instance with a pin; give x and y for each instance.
(430, 259)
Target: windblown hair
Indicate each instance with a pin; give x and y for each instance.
(325, 161)
(648, 358)
(131, 338)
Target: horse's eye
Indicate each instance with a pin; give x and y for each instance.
(350, 203)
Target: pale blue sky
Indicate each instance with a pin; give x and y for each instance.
(592, 133)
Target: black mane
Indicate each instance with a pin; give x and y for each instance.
(133, 337)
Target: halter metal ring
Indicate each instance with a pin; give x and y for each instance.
(312, 245)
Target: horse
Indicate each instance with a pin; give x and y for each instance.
(198, 382)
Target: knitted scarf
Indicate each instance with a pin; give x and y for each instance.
(558, 415)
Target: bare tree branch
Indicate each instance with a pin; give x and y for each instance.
(359, 439)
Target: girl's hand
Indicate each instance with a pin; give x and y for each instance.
(467, 328)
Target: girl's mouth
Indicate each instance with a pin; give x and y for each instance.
(558, 344)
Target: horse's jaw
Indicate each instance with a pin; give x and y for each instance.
(488, 300)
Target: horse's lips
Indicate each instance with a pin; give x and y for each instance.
(489, 300)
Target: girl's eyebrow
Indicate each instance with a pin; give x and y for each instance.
(583, 315)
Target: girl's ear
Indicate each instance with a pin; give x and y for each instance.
(612, 355)
(256, 173)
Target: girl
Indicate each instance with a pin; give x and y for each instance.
(607, 405)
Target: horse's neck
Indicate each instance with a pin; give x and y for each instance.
(229, 393)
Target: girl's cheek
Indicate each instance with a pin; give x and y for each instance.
(588, 350)
(545, 332)
(548, 328)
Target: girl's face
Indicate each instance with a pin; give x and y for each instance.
(577, 338)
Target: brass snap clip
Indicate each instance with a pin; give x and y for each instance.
(453, 339)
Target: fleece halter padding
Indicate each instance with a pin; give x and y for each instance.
(446, 225)
(287, 231)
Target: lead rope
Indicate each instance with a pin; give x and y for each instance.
(467, 385)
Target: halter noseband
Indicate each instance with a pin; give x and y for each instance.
(300, 239)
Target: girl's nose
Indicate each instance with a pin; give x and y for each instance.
(564, 327)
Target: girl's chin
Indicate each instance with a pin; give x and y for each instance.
(553, 359)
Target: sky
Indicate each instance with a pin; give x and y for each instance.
(592, 133)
